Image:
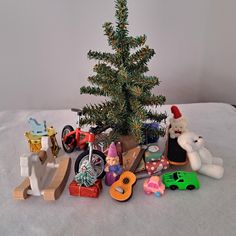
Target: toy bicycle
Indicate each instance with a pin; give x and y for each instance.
(82, 140)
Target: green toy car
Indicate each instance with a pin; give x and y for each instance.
(181, 180)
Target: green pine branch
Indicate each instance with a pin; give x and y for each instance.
(106, 57)
(142, 56)
(98, 114)
(92, 91)
(111, 34)
(138, 41)
(122, 74)
(121, 14)
(122, 32)
(136, 128)
(101, 81)
(155, 116)
(104, 88)
(97, 80)
(136, 91)
(145, 82)
(153, 100)
(139, 68)
(105, 70)
(149, 82)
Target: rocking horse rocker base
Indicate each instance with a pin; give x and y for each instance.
(55, 188)
(35, 167)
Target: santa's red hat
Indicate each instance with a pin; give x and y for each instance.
(176, 112)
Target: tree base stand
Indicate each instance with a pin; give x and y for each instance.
(127, 142)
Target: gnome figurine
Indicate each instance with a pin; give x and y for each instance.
(113, 168)
(178, 125)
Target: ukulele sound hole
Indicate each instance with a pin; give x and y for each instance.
(125, 180)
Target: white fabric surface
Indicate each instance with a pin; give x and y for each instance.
(211, 210)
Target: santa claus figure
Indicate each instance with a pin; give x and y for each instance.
(178, 125)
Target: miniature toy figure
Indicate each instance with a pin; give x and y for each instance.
(86, 175)
(122, 189)
(36, 133)
(154, 185)
(200, 158)
(37, 128)
(113, 168)
(178, 125)
(181, 180)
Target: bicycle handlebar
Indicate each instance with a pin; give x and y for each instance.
(99, 129)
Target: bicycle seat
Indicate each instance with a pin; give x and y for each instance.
(79, 112)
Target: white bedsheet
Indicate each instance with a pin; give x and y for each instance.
(211, 210)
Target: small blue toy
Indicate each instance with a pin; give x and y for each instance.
(150, 132)
(37, 128)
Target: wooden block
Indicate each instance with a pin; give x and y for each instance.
(141, 166)
(129, 157)
(20, 192)
(57, 185)
(137, 160)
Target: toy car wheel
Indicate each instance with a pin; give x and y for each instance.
(190, 187)
(173, 187)
(98, 162)
(157, 194)
(70, 143)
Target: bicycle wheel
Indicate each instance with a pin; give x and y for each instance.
(97, 162)
(70, 143)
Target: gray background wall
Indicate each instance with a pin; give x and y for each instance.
(44, 45)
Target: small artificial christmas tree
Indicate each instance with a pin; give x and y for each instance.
(86, 175)
(120, 76)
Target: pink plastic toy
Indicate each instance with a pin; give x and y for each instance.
(154, 185)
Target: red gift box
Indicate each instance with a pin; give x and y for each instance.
(156, 166)
(82, 191)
